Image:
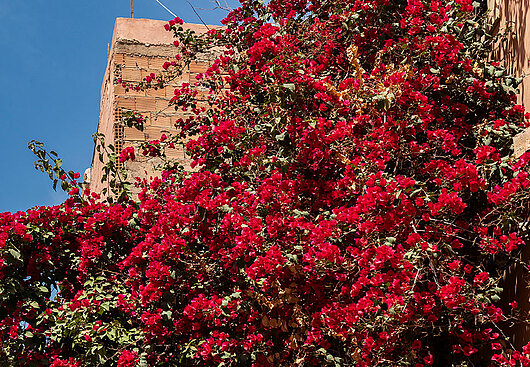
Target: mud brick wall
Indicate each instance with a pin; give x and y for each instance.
(514, 54)
(141, 47)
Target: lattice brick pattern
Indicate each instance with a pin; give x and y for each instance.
(118, 136)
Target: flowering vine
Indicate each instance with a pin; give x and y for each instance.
(355, 201)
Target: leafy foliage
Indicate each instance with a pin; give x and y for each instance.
(356, 203)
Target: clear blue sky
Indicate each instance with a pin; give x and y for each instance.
(53, 56)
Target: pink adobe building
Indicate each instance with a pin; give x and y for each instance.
(140, 47)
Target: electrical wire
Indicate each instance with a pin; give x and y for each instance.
(165, 7)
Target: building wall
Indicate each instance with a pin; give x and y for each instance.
(514, 53)
(141, 47)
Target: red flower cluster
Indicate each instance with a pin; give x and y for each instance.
(127, 154)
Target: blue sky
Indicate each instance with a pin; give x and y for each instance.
(53, 56)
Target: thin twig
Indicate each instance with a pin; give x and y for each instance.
(227, 8)
(197, 14)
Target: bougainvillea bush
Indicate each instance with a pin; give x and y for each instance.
(355, 201)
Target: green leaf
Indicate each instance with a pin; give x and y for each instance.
(14, 253)
(166, 315)
(289, 86)
(499, 73)
(495, 298)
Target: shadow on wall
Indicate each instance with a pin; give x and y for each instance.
(513, 53)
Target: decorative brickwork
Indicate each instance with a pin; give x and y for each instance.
(118, 133)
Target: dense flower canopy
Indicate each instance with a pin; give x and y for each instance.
(355, 202)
